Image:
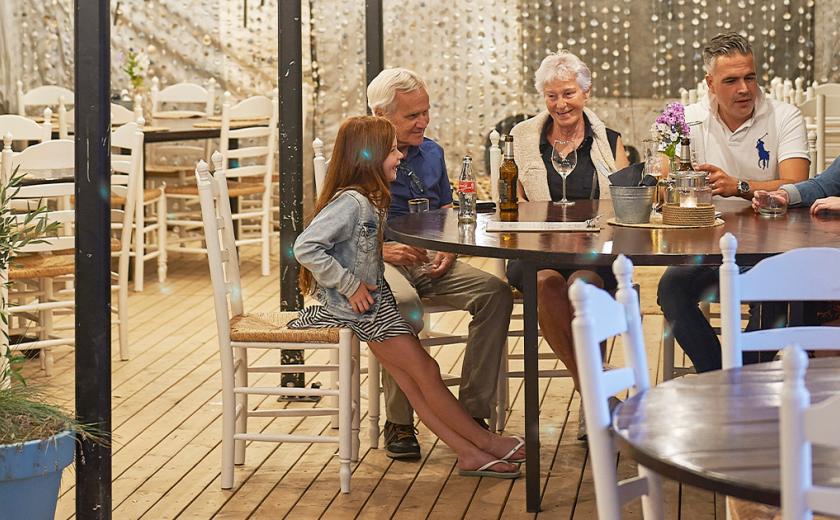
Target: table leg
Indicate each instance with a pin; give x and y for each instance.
(532, 403)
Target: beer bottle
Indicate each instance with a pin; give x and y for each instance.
(508, 179)
(685, 156)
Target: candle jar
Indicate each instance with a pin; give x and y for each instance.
(688, 200)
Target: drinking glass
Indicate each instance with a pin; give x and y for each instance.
(564, 160)
(653, 167)
(418, 205)
(771, 204)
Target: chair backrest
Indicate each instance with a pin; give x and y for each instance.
(320, 164)
(184, 93)
(40, 160)
(119, 116)
(599, 317)
(220, 240)
(47, 95)
(264, 114)
(25, 129)
(494, 163)
(127, 172)
(801, 425)
(796, 275)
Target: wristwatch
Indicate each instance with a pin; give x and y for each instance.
(743, 187)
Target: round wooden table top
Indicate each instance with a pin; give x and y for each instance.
(758, 237)
(720, 430)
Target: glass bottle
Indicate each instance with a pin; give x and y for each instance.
(466, 192)
(508, 179)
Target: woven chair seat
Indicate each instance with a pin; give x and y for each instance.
(169, 169)
(148, 196)
(235, 189)
(41, 266)
(271, 327)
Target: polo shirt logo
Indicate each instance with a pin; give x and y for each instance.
(763, 153)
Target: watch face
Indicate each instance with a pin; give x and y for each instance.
(743, 186)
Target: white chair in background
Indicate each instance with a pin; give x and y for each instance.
(802, 424)
(149, 220)
(796, 275)
(48, 160)
(25, 129)
(238, 332)
(171, 160)
(119, 116)
(599, 317)
(51, 96)
(255, 166)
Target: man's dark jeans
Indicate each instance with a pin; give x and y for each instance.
(680, 291)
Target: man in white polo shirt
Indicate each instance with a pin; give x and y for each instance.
(746, 142)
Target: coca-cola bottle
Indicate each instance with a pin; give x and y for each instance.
(466, 192)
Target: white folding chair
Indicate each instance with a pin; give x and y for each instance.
(599, 317)
(149, 240)
(802, 424)
(796, 275)
(238, 332)
(253, 169)
(51, 96)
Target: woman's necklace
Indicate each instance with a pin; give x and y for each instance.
(575, 137)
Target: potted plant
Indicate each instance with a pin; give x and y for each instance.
(37, 440)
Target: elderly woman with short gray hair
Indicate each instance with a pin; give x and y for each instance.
(565, 83)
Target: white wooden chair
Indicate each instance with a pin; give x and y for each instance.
(51, 96)
(25, 129)
(599, 317)
(170, 160)
(119, 116)
(796, 275)
(149, 238)
(43, 161)
(822, 118)
(802, 424)
(255, 165)
(238, 332)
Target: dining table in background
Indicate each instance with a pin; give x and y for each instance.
(758, 237)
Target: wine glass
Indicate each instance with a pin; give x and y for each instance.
(564, 160)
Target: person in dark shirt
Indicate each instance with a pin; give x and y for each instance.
(402, 97)
(565, 83)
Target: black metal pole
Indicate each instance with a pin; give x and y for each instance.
(93, 252)
(374, 49)
(290, 75)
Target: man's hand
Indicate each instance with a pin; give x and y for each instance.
(361, 300)
(826, 204)
(441, 264)
(721, 183)
(401, 254)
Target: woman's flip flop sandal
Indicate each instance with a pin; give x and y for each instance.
(507, 457)
(484, 472)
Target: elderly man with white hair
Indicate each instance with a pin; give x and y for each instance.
(402, 97)
(565, 83)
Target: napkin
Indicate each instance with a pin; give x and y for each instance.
(629, 176)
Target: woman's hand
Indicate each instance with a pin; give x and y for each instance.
(361, 300)
(826, 204)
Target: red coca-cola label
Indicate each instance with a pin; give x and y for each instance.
(466, 186)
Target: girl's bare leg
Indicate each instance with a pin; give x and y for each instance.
(419, 377)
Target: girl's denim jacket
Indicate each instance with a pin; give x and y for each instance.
(341, 248)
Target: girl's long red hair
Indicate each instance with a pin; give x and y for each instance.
(361, 147)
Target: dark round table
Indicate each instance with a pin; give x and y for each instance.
(758, 237)
(720, 430)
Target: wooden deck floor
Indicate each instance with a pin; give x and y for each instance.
(167, 426)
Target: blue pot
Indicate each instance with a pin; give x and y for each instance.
(30, 475)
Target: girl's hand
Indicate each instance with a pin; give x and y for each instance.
(361, 300)
(826, 204)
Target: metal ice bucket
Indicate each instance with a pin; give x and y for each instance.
(632, 204)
